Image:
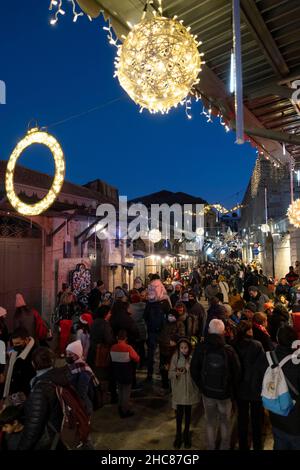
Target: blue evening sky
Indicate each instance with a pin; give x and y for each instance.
(53, 72)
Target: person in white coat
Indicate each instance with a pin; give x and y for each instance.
(224, 289)
(185, 393)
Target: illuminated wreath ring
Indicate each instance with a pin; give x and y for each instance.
(293, 213)
(35, 136)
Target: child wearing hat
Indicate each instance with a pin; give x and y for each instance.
(83, 332)
(184, 391)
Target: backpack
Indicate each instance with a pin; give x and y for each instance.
(75, 426)
(215, 373)
(275, 393)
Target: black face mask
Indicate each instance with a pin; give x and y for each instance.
(19, 348)
(69, 360)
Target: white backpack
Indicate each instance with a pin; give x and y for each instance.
(275, 393)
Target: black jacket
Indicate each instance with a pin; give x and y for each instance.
(251, 355)
(23, 372)
(215, 311)
(279, 318)
(121, 320)
(42, 408)
(263, 338)
(291, 423)
(215, 343)
(155, 315)
(101, 333)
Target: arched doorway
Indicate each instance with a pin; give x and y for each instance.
(20, 263)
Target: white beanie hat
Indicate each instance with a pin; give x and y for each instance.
(75, 348)
(3, 312)
(20, 302)
(216, 327)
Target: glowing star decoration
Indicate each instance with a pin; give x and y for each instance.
(158, 63)
(35, 136)
(154, 235)
(293, 213)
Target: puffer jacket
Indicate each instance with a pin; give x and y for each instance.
(43, 410)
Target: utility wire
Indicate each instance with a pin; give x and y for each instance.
(91, 110)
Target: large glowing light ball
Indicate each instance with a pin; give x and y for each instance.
(293, 213)
(155, 235)
(35, 136)
(158, 63)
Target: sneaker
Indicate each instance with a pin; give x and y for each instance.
(177, 443)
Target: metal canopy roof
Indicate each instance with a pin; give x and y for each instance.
(270, 31)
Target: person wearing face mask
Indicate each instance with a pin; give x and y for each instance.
(83, 378)
(184, 391)
(19, 371)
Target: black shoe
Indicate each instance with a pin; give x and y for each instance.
(121, 412)
(149, 379)
(187, 441)
(127, 414)
(177, 442)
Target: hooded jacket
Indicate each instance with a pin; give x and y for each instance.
(43, 410)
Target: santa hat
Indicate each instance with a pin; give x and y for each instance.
(3, 312)
(20, 302)
(86, 319)
(75, 348)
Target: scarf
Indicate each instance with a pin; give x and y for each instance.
(261, 328)
(12, 360)
(81, 366)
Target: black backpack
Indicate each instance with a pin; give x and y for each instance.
(215, 373)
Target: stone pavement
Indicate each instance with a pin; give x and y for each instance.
(153, 425)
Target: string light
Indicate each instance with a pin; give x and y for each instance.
(60, 11)
(35, 136)
(158, 63)
(188, 107)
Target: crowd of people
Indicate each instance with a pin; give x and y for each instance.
(214, 336)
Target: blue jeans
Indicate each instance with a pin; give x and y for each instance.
(284, 441)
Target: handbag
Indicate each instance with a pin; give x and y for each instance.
(102, 358)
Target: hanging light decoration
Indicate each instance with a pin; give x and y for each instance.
(158, 63)
(35, 136)
(293, 213)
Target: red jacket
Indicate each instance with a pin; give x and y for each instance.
(122, 356)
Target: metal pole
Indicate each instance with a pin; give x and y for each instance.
(266, 205)
(239, 110)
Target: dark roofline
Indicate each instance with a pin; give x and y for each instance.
(169, 194)
(43, 181)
